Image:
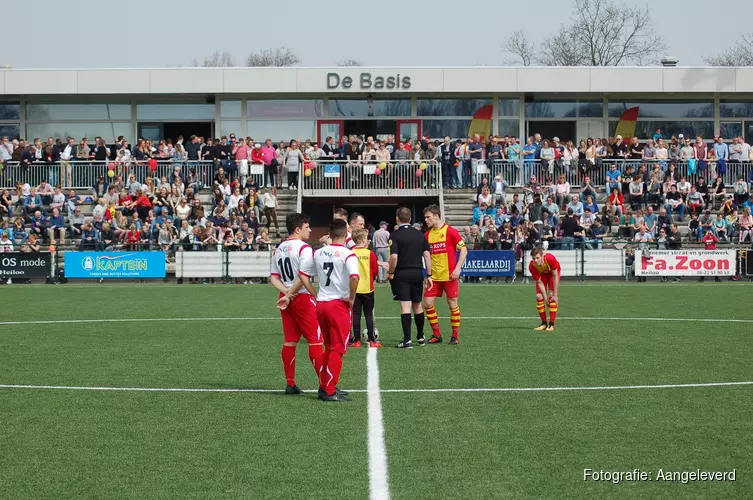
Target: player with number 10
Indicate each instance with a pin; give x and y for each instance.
(294, 258)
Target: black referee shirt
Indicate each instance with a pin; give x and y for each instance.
(409, 244)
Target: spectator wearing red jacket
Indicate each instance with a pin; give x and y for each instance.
(257, 160)
(143, 204)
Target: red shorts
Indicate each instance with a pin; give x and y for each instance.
(299, 320)
(451, 288)
(548, 280)
(335, 320)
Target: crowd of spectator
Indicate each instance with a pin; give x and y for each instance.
(644, 199)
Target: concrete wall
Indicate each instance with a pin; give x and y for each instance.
(488, 80)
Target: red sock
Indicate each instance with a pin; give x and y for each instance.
(288, 363)
(552, 311)
(330, 373)
(541, 308)
(316, 352)
(455, 321)
(431, 315)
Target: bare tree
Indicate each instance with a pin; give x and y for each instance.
(740, 54)
(348, 63)
(280, 56)
(216, 60)
(599, 33)
(522, 49)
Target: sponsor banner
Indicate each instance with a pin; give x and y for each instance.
(331, 170)
(489, 263)
(685, 262)
(25, 265)
(107, 265)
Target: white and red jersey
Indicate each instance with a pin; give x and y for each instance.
(293, 257)
(349, 243)
(335, 265)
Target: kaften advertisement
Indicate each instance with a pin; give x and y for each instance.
(685, 263)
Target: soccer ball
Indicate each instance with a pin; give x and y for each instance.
(365, 333)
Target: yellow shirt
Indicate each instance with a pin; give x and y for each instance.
(444, 244)
(367, 268)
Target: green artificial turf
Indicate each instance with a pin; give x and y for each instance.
(122, 444)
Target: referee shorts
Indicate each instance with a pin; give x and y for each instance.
(408, 286)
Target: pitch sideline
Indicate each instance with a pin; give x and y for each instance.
(382, 318)
(388, 391)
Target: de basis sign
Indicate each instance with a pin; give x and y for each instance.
(367, 81)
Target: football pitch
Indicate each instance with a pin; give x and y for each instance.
(166, 391)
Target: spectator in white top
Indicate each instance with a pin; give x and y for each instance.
(58, 199)
(66, 155)
(269, 200)
(235, 198)
(6, 150)
(133, 185)
(45, 191)
(576, 206)
(500, 186)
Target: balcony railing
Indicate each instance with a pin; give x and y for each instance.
(520, 172)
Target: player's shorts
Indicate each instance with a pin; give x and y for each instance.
(335, 321)
(548, 280)
(408, 286)
(451, 288)
(299, 320)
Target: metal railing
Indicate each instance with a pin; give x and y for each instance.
(518, 173)
(395, 178)
(82, 175)
(330, 178)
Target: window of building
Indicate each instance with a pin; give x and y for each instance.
(509, 107)
(456, 129)
(228, 127)
(230, 109)
(664, 109)
(509, 127)
(450, 107)
(281, 130)
(11, 130)
(736, 109)
(166, 112)
(54, 112)
(728, 130)
(590, 109)
(360, 107)
(551, 109)
(646, 129)
(10, 111)
(284, 108)
(78, 130)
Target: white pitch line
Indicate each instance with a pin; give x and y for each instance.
(379, 488)
(385, 391)
(394, 318)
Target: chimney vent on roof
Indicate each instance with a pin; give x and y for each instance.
(669, 62)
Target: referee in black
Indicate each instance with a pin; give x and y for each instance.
(408, 249)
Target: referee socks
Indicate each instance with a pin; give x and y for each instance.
(405, 321)
(419, 319)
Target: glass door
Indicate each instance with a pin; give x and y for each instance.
(329, 128)
(408, 129)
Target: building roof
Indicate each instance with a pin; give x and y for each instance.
(426, 80)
